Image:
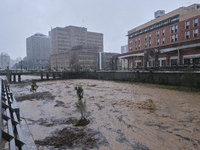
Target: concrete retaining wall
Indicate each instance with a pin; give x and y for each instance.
(165, 78)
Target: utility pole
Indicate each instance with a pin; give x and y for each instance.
(21, 66)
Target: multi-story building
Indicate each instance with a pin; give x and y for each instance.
(124, 49)
(63, 39)
(104, 60)
(169, 39)
(85, 56)
(4, 61)
(124, 62)
(38, 47)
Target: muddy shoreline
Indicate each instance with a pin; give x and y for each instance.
(122, 116)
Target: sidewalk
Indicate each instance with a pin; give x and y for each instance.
(28, 139)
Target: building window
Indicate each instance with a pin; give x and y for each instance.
(130, 48)
(195, 61)
(145, 37)
(187, 35)
(163, 40)
(149, 36)
(174, 62)
(186, 61)
(195, 32)
(158, 41)
(163, 32)
(172, 29)
(172, 38)
(149, 43)
(176, 19)
(135, 40)
(187, 25)
(157, 33)
(163, 62)
(176, 28)
(195, 22)
(165, 22)
(135, 46)
(138, 46)
(176, 37)
(130, 42)
(139, 39)
(145, 44)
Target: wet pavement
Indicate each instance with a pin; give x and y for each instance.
(122, 116)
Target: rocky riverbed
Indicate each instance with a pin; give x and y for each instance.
(122, 116)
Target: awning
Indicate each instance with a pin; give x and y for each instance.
(137, 61)
(179, 47)
(131, 55)
(191, 56)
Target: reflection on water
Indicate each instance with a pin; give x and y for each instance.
(128, 116)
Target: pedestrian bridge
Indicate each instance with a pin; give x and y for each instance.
(14, 76)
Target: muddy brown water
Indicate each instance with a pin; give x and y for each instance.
(122, 116)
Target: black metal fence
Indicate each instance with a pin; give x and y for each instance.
(10, 137)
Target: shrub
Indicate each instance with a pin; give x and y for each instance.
(34, 87)
(81, 106)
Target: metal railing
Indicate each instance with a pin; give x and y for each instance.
(10, 137)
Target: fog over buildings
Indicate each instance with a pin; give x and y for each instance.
(21, 19)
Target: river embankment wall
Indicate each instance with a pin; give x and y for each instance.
(155, 77)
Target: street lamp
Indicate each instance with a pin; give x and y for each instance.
(21, 65)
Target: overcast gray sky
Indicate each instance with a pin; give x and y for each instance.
(20, 19)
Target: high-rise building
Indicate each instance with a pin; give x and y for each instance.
(169, 39)
(4, 61)
(38, 47)
(124, 49)
(63, 39)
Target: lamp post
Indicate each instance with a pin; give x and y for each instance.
(21, 66)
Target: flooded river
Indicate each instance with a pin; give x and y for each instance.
(122, 116)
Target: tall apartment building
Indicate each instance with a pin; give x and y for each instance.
(124, 49)
(63, 39)
(4, 61)
(38, 47)
(169, 39)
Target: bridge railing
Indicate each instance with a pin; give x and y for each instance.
(10, 137)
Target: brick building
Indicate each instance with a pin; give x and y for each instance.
(85, 56)
(72, 45)
(63, 39)
(169, 39)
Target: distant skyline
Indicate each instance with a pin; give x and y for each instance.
(114, 18)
